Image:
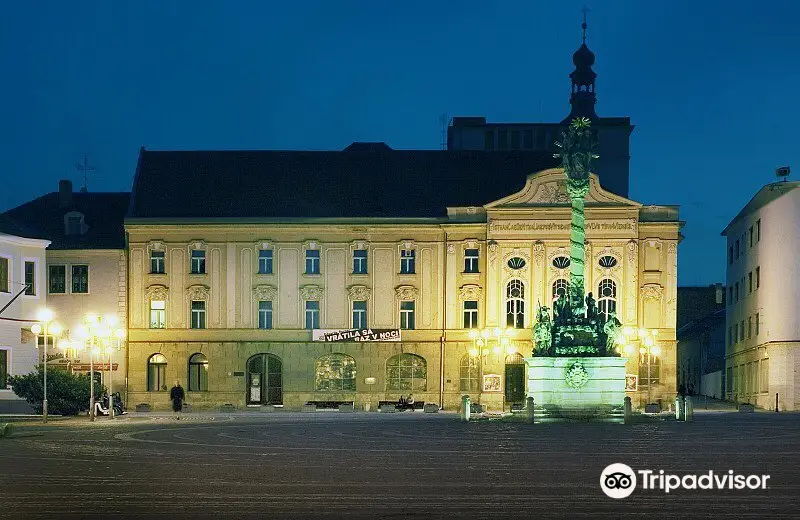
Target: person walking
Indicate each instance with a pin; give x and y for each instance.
(177, 395)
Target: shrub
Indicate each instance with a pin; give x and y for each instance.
(67, 394)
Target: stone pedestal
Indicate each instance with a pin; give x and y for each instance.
(579, 387)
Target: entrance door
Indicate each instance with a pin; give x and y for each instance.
(515, 379)
(264, 380)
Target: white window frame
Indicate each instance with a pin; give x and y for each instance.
(312, 262)
(268, 314)
(201, 262)
(36, 278)
(72, 278)
(163, 261)
(361, 323)
(312, 314)
(361, 261)
(408, 261)
(472, 263)
(604, 303)
(4, 386)
(408, 316)
(10, 264)
(267, 261)
(472, 321)
(515, 305)
(201, 314)
(66, 284)
(161, 312)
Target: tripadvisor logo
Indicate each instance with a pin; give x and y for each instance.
(619, 480)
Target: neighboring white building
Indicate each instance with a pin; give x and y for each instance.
(85, 268)
(22, 263)
(763, 299)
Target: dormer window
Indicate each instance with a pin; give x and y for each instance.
(73, 223)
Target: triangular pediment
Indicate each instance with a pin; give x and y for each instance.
(549, 188)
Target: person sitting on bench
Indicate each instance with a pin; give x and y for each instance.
(410, 402)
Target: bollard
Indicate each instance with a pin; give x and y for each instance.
(688, 411)
(679, 408)
(776, 402)
(628, 409)
(465, 408)
(530, 409)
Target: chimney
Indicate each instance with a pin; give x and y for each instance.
(64, 194)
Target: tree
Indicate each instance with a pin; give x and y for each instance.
(67, 394)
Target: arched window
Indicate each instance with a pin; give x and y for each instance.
(335, 373)
(606, 297)
(406, 372)
(157, 373)
(198, 373)
(560, 288)
(515, 304)
(470, 374)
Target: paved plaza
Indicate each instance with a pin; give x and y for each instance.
(370, 465)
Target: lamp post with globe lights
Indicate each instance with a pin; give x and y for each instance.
(647, 346)
(45, 327)
(100, 335)
(480, 346)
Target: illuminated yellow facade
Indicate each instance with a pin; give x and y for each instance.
(464, 269)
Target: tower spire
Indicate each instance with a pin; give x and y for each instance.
(585, 12)
(583, 96)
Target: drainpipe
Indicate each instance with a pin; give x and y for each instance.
(444, 327)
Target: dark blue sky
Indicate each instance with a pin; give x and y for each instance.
(710, 86)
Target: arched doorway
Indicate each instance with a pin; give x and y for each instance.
(264, 379)
(515, 378)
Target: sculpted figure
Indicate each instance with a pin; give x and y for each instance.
(542, 331)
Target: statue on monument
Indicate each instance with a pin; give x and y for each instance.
(542, 331)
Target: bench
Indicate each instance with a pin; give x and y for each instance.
(416, 405)
(517, 407)
(328, 405)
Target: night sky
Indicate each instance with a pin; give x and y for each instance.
(710, 86)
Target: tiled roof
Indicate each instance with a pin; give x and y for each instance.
(104, 214)
(371, 182)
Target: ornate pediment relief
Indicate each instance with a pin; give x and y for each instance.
(197, 292)
(406, 292)
(652, 291)
(157, 292)
(311, 292)
(265, 292)
(470, 292)
(359, 292)
(549, 187)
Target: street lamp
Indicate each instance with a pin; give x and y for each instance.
(100, 335)
(45, 327)
(480, 346)
(647, 346)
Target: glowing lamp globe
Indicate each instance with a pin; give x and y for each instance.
(36, 328)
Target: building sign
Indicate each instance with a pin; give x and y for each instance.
(492, 383)
(336, 335)
(97, 367)
(517, 227)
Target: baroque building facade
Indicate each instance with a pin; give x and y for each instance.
(239, 300)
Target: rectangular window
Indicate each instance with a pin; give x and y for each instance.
(736, 291)
(736, 248)
(4, 274)
(758, 316)
(4, 368)
(265, 261)
(751, 236)
(312, 315)
(470, 314)
(158, 314)
(360, 261)
(407, 257)
(514, 140)
(741, 330)
(198, 261)
(502, 139)
(30, 278)
(312, 261)
(764, 377)
(735, 333)
(730, 255)
(57, 279)
(265, 314)
(758, 277)
(359, 314)
(749, 327)
(758, 230)
(471, 261)
(527, 139)
(80, 279)
(750, 282)
(157, 262)
(74, 225)
(730, 336)
(730, 295)
(649, 369)
(407, 315)
(488, 140)
(198, 314)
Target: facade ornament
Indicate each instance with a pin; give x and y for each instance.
(156, 292)
(197, 292)
(554, 193)
(311, 292)
(672, 248)
(406, 292)
(470, 292)
(359, 292)
(451, 249)
(632, 251)
(652, 291)
(265, 292)
(538, 252)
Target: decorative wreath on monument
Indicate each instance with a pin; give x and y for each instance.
(576, 375)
